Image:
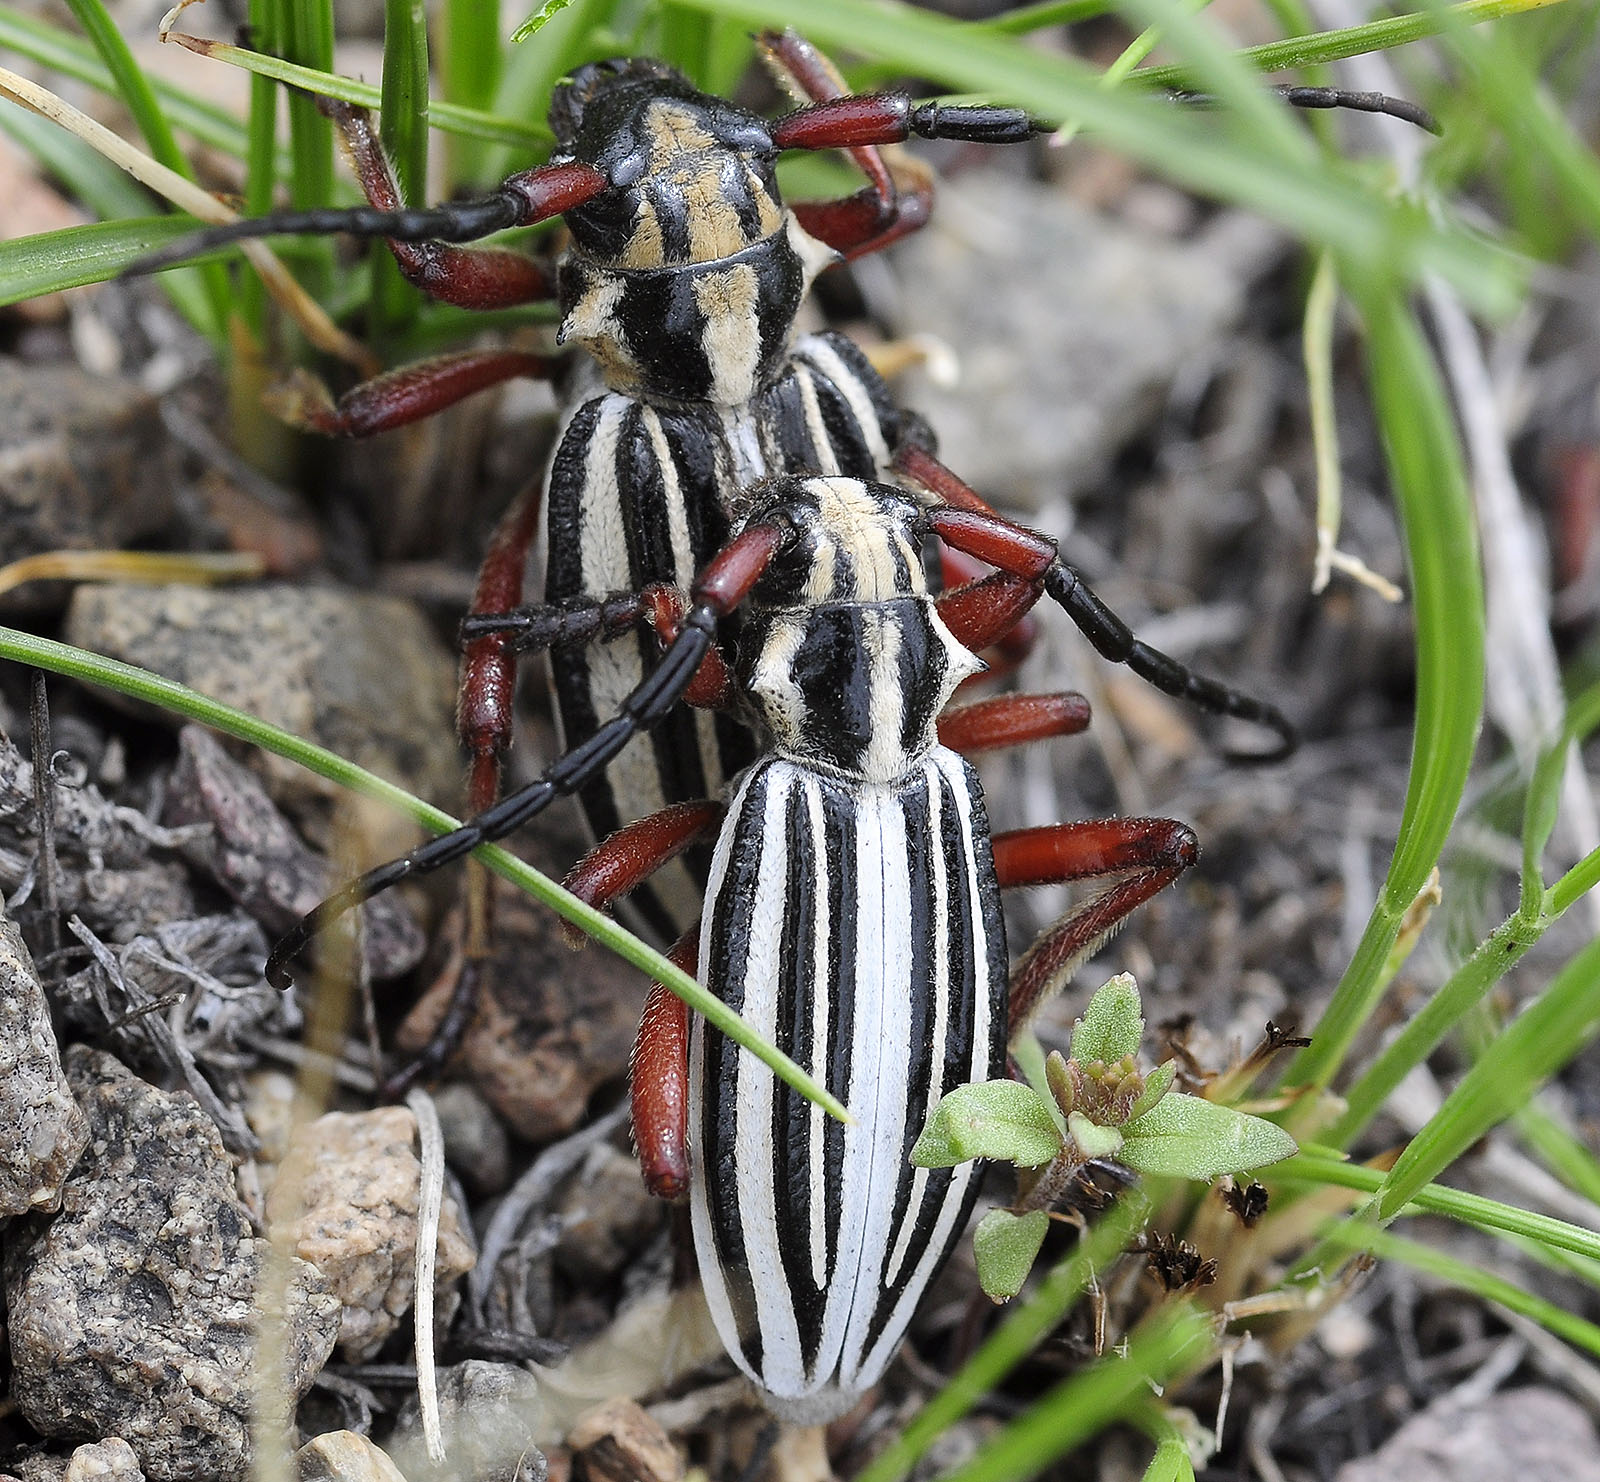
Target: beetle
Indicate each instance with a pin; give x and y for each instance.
(852, 910)
(682, 281)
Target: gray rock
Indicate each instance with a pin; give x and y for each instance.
(345, 1198)
(549, 1028)
(1068, 327)
(42, 1129)
(611, 1216)
(84, 464)
(1536, 1435)
(363, 676)
(475, 1144)
(106, 872)
(255, 855)
(133, 1311)
(489, 1414)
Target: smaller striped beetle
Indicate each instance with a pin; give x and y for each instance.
(852, 914)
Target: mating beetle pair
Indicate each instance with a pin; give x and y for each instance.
(851, 904)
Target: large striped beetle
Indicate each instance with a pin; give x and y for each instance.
(682, 280)
(852, 913)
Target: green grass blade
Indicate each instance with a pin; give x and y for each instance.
(1354, 41)
(1559, 1150)
(91, 178)
(73, 57)
(403, 129)
(153, 689)
(1435, 504)
(1026, 1327)
(1537, 1043)
(134, 90)
(531, 73)
(1425, 1030)
(75, 255)
(1028, 18)
(1324, 203)
(471, 60)
(451, 118)
(307, 31)
(1175, 1339)
(1322, 1169)
(1354, 1235)
(1504, 87)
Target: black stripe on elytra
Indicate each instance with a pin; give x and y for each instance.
(571, 488)
(782, 412)
(994, 931)
(791, 1112)
(885, 412)
(839, 816)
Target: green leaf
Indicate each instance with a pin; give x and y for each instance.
(1187, 1137)
(1156, 1085)
(1093, 1140)
(994, 1119)
(1005, 1246)
(1112, 1025)
(1170, 1463)
(75, 255)
(535, 22)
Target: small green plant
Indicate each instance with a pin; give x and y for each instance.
(1097, 1104)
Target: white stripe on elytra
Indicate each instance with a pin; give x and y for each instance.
(684, 568)
(940, 946)
(874, 1363)
(829, 362)
(884, 945)
(822, 1009)
(614, 668)
(816, 429)
(782, 1359)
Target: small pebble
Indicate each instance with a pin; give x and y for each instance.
(345, 1198)
(344, 1456)
(618, 1442)
(475, 1144)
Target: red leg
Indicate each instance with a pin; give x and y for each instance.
(1032, 557)
(1138, 856)
(401, 396)
(469, 277)
(637, 850)
(659, 1084)
(660, 1079)
(897, 200)
(1012, 720)
(989, 614)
